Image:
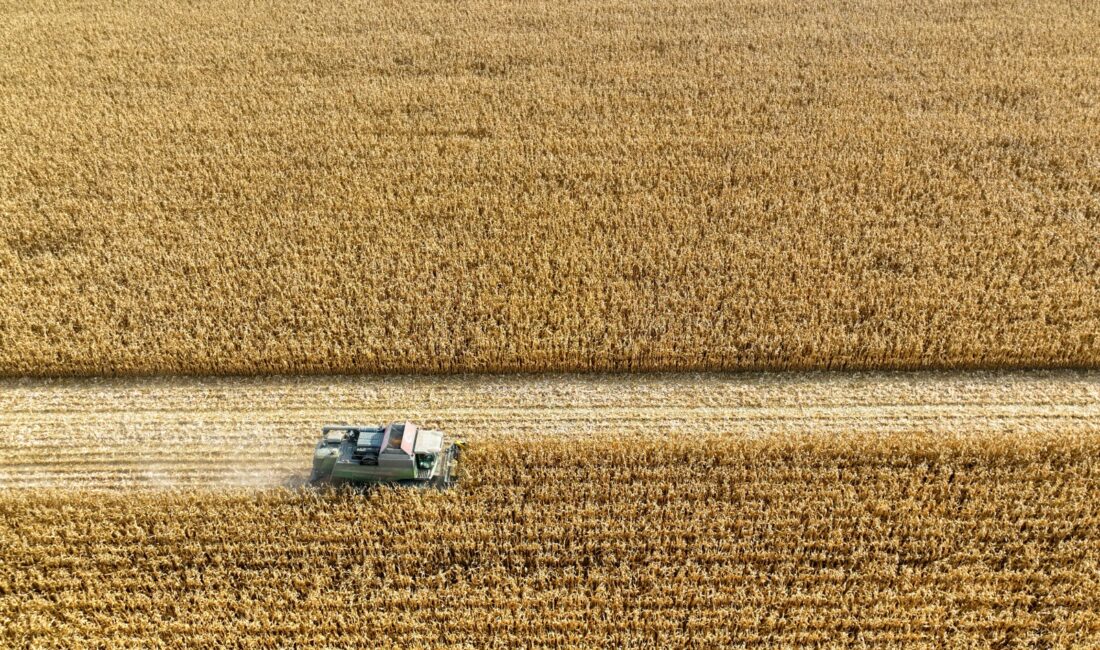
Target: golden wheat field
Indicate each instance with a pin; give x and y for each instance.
(660, 511)
(196, 193)
(275, 186)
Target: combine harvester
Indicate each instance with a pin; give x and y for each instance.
(400, 453)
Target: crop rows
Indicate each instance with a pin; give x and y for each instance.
(490, 185)
(687, 541)
(672, 510)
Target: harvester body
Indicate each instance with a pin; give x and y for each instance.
(400, 452)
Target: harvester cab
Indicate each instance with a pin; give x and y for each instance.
(400, 453)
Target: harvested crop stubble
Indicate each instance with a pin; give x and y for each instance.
(277, 186)
(793, 541)
(132, 432)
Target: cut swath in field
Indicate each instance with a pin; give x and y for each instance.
(259, 432)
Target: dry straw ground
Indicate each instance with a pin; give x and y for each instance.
(348, 186)
(790, 510)
(259, 432)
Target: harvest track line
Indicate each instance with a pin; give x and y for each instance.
(257, 432)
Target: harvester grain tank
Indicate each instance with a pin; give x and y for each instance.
(399, 453)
